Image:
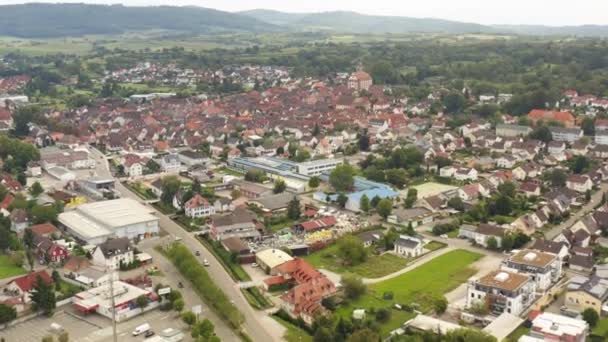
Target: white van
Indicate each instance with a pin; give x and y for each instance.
(141, 329)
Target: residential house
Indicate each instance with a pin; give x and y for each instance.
(223, 205)
(601, 137)
(48, 251)
(556, 148)
(198, 206)
(22, 287)
(526, 171)
(579, 183)
(19, 220)
(45, 229)
(506, 162)
(463, 174)
(134, 165)
(471, 192)
(170, 163)
(411, 216)
(502, 292)
(529, 189)
(371, 237)
(433, 203)
(560, 249)
(408, 246)
(586, 293)
(568, 135)
(113, 253)
(600, 151)
(579, 238)
(482, 233)
(581, 262)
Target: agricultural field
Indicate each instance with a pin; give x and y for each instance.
(420, 286)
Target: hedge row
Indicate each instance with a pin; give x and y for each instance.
(192, 270)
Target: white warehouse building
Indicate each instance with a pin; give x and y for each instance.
(94, 223)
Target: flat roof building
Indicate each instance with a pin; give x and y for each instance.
(269, 259)
(99, 300)
(502, 291)
(95, 222)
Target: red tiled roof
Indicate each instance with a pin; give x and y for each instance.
(196, 202)
(306, 297)
(5, 115)
(6, 202)
(27, 282)
(541, 114)
(275, 280)
(43, 229)
(325, 222)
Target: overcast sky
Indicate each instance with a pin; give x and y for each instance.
(545, 12)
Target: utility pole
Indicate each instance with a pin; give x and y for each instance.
(113, 307)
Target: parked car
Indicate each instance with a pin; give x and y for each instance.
(205, 263)
(149, 333)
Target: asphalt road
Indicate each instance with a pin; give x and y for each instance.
(257, 324)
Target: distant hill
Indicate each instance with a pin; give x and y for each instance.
(351, 22)
(38, 20)
(59, 20)
(274, 17)
(539, 30)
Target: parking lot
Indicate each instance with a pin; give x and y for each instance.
(93, 328)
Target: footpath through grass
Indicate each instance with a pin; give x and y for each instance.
(8, 269)
(374, 267)
(421, 286)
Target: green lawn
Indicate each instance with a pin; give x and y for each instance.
(374, 267)
(420, 286)
(517, 333)
(293, 333)
(141, 190)
(434, 245)
(68, 290)
(256, 299)
(601, 329)
(453, 234)
(8, 269)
